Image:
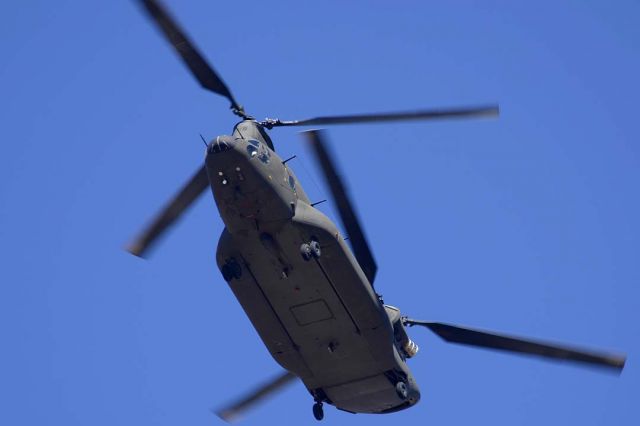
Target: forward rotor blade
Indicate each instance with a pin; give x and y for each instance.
(468, 336)
(180, 202)
(205, 74)
(232, 412)
(350, 221)
(431, 114)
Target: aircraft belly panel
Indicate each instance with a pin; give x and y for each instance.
(260, 312)
(313, 313)
(341, 270)
(369, 395)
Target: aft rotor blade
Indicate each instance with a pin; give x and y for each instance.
(429, 114)
(472, 337)
(350, 221)
(236, 409)
(205, 74)
(180, 202)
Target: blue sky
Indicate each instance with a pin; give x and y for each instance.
(527, 224)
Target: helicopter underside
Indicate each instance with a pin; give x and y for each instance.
(318, 316)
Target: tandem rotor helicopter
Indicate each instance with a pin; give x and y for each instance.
(310, 296)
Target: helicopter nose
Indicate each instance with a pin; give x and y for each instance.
(219, 144)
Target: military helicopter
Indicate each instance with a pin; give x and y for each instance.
(310, 296)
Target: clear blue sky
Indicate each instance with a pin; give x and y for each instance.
(527, 224)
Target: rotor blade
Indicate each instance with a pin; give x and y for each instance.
(431, 114)
(468, 336)
(180, 202)
(205, 74)
(350, 221)
(236, 409)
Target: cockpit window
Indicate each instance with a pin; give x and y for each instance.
(264, 156)
(255, 148)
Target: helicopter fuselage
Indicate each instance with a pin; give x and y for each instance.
(308, 295)
(316, 312)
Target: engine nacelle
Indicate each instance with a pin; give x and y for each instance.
(410, 348)
(404, 344)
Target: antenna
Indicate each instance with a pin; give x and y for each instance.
(203, 141)
(289, 159)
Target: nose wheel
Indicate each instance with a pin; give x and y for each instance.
(318, 411)
(310, 250)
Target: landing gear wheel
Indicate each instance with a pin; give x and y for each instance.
(401, 389)
(315, 249)
(318, 412)
(305, 251)
(310, 250)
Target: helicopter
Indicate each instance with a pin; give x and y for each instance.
(307, 289)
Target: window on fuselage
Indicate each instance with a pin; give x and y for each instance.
(256, 148)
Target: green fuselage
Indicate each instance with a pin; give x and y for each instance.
(319, 318)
